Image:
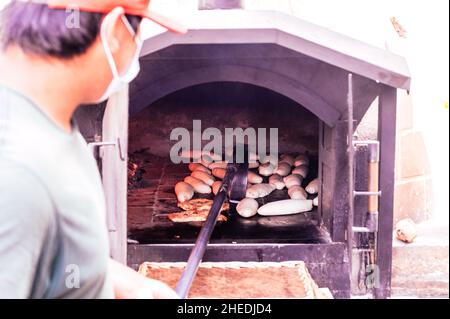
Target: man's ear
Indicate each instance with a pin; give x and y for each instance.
(112, 28)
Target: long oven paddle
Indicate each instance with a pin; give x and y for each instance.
(234, 185)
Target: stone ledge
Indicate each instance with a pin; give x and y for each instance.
(420, 269)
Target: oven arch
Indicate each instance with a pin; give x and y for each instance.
(273, 81)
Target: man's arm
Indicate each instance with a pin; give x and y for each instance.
(25, 216)
(128, 284)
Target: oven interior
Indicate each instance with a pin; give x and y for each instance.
(220, 105)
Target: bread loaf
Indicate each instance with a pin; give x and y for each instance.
(285, 207)
(204, 177)
(198, 185)
(283, 169)
(184, 191)
(219, 172)
(293, 180)
(247, 207)
(267, 169)
(313, 187)
(302, 170)
(254, 178)
(198, 167)
(277, 181)
(259, 190)
(297, 192)
(301, 160)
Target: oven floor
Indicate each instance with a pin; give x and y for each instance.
(148, 223)
(259, 229)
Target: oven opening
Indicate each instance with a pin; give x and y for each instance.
(221, 105)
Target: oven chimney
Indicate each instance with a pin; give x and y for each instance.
(220, 4)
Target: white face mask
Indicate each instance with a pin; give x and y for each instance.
(119, 81)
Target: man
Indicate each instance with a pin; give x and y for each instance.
(53, 236)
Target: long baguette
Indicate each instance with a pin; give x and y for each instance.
(313, 186)
(286, 207)
(259, 190)
(297, 192)
(204, 177)
(184, 191)
(247, 207)
(277, 181)
(293, 180)
(198, 185)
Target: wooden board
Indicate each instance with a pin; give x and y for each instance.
(242, 279)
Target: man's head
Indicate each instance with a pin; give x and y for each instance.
(49, 31)
(39, 30)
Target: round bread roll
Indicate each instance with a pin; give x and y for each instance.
(184, 191)
(277, 181)
(247, 207)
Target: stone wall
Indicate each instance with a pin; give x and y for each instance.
(413, 183)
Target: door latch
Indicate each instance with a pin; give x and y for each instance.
(94, 145)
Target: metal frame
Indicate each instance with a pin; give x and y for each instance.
(387, 136)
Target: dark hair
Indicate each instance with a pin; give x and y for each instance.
(36, 29)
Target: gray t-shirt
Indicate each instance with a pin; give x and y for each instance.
(53, 234)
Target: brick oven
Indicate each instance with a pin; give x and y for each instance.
(237, 68)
